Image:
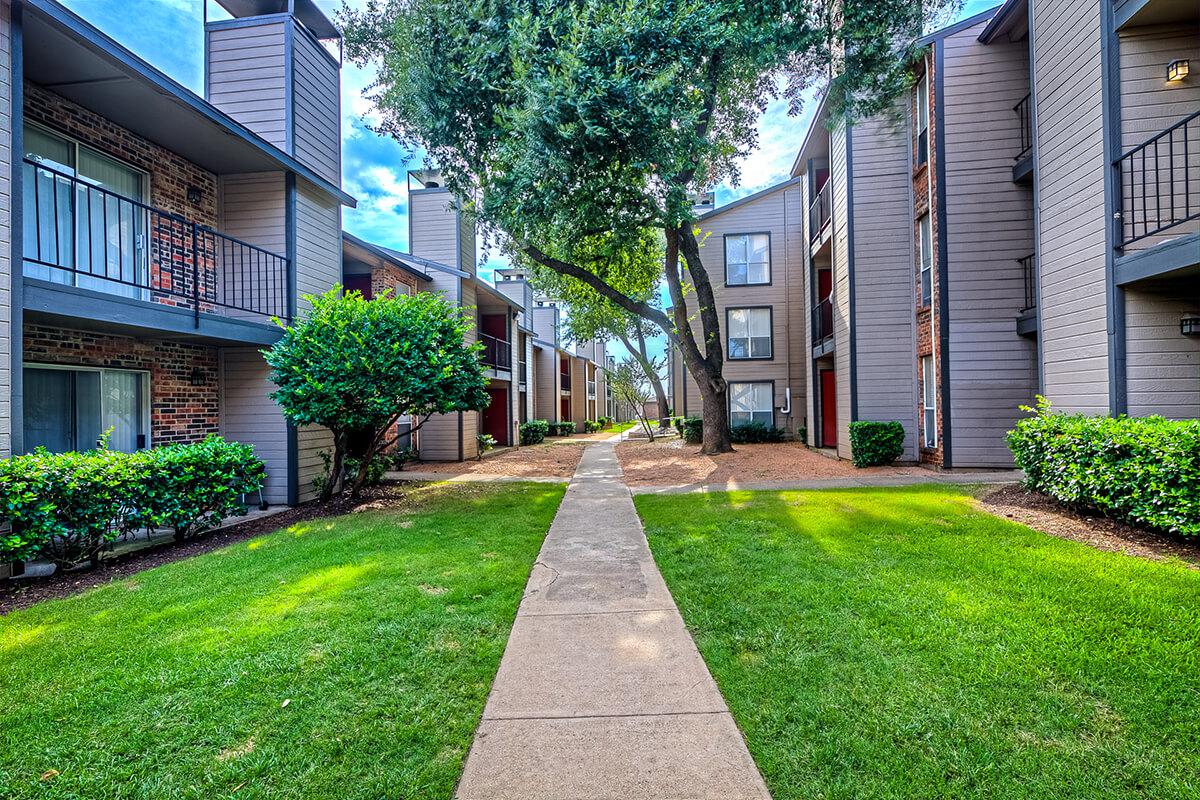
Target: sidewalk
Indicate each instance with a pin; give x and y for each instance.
(601, 692)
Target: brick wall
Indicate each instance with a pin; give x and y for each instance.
(394, 278)
(179, 411)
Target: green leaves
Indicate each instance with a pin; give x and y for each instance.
(875, 443)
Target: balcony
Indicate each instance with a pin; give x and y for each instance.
(564, 381)
(85, 237)
(1159, 182)
(497, 353)
(523, 373)
(820, 212)
(1023, 166)
(1027, 317)
(822, 327)
(591, 390)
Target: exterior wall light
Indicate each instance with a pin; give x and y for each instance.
(1190, 325)
(1177, 70)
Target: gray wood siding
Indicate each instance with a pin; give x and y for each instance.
(1150, 105)
(578, 392)
(6, 208)
(545, 376)
(884, 286)
(1071, 214)
(841, 283)
(318, 268)
(248, 415)
(316, 109)
(252, 208)
(246, 77)
(1163, 368)
(989, 221)
(434, 228)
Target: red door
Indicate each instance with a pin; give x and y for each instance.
(828, 408)
(565, 408)
(824, 284)
(495, 416)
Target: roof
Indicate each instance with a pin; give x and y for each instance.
(79, 62)
(304, 10)
(1005, 19)
(961, 25)
(384, 254)
(750, 198)
(818, 115)
(440, 267)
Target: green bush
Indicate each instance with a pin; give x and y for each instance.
(1145, 471)
(534, 431)
(875, 443)
(592, 426)
(692, 430)
(68, 506)
(485, 442)
(755, 433)
(565, 428)
(404, 456)
(677, 423)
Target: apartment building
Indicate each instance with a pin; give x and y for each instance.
(1026, 220)
(150, 234)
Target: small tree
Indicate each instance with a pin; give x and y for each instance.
(630, 386)
(355, 366)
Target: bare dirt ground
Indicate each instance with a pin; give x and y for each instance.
(1046, 515)
(554, 458)
(671, 462)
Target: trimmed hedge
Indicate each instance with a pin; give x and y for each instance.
(755, 433)
(534, 431)
(592, 426)
(564, 428)
(1144, 470)
(873, 444)
(692, 430)
(68, 506)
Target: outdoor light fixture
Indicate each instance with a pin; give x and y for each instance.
(1177, 70)
(193, 195)
(198, 377)
(1190, 325)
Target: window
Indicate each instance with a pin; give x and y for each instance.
(922, 145)
(70, 408)
(925, 230)
(751, 402)
(747, 259)
(748, 333)
(929, 400)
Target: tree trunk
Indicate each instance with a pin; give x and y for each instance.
(714, 394)
(642, 356)
(336, 466)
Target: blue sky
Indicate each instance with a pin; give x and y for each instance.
(169, 34)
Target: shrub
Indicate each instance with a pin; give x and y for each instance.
(534, 431)
(1145, 471)
(755, 433)
(404, 455)
(875, 443)
(692, 430)
(677, 423)
(485, 442)
(68, 506)
(592, 426)
(565, 428)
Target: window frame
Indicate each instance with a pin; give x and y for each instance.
(77, 144)
(929, 433)
(729, 401)
(770, 329)
(922, 120)
(725, 259)
(925, 260)
(147, 398)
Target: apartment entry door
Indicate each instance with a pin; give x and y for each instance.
(828, 408)
(495, 416)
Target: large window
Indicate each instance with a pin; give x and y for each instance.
(929, 400)
(751, 402)
(748, 333)
(747, 259)
(922, 143)
(925, 236)
(71, 408)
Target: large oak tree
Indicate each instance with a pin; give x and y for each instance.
(572, 118)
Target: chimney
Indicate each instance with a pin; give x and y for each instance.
(513, 283)
(437, 230)
(545, 320)
(275, 67)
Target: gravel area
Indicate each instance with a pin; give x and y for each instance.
(556, 458)
(671, 462)
(1048, 516)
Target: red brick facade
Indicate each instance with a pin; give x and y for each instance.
(180, 410)
(928, 319)
(394, 278)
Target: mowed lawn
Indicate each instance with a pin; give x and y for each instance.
(900, 643)
(341, 658)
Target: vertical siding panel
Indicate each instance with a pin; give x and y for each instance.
(7, 268)
(989, 226)
(840, 175)
(249, 415)
(247, 76)
(317, 108)
(1163, 367)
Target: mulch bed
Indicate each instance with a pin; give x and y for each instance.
(23, 592)
(1048, 516)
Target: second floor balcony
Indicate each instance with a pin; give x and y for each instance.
(820, 212)
(497, 353)
(564, 381)
(822, 327)
(79, 234)
(1159, 184)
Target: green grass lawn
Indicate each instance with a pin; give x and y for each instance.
(340, 658)
(900, 643)
(621, 427)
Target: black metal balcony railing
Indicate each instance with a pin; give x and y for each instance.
(564, 380)
(822, 321)
(497, 353)
(1159, 182)
(1025, 117)
(80, 234)
(820, 211)
(591, 390)
(523, 372)
(1029, 273)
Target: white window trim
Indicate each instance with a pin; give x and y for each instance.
(929, 390)
(925, 263)
(729, 337)
(770, 409)
(746, 236)
(146, 389)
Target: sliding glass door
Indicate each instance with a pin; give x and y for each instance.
(71, 408)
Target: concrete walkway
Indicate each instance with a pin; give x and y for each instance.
(601, 692)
